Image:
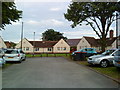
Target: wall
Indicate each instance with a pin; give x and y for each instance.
(61, 45)
(83, 44)
(25, 44)
(2, 44)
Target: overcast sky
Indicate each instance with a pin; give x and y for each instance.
(38, 16)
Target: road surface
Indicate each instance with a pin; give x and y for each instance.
(53, 72)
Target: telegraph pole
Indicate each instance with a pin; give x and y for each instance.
(33, 43)
(21, 35)
(117, 29)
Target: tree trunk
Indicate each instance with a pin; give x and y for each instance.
(103, 43)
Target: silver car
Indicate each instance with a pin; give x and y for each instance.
(2, 61)
(104, 59)
(14, 55)
(116, 60)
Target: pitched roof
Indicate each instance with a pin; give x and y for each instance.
(8, 44)
(110, 41)
(95, 42)
(92, 41)
(73, 42)
(43, 44)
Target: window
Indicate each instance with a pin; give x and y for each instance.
(64, 48)
(80, 47)
(49, 49)
(21, 51)
(24, 48)
(36, 49)
(58, 48)
(117, 53)
(27, 48)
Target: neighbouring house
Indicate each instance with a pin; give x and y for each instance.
(10, 44)
(73, 44)
(60, 46)
(91, 42)
(88, 42)
(2, 43)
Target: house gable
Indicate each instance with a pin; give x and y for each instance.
(61, 47)
(83, 44)
(73, 42)
(26, 45)
(2, 44)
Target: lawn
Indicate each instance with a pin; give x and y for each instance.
(47, 55)
(6, 65)
(110, 71)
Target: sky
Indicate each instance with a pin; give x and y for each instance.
(40, 15)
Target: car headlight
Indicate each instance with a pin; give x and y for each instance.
(97, 59)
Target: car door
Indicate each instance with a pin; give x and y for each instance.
(117, 55)
(22, 54)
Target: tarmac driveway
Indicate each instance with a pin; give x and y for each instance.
(53, 72)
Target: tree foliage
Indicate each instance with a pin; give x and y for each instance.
(99, 15)
(9, 14)
(52, 35)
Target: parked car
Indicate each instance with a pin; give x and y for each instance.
(2, 61)
(105, 59)
(14, 55)
(87, 51)
(116, 60)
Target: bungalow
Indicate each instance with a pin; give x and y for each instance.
(73, 44)
(2, 44)
(44, 46)
(10, 44)
(88, 42)
(91, 42)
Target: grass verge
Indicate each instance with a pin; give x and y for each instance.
(47, 55)
(110, 71)
(6, 65)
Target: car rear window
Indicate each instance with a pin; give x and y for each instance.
(108, 52)
(11, 52)
(1, 52)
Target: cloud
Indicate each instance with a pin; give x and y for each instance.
(16, 23)
(79, 34)
(48, 22)
(52, 22)
(55, 9)
(43, 0)
(33, 22)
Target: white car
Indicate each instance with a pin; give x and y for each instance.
(2, 61)
(14, 55)
(104, 59)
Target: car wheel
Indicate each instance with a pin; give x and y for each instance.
(104, 63)
(24, 59)
(20, 61)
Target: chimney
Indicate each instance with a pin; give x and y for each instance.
(111, 34)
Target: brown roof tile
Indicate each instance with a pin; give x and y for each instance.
(73, 42)
(92, 41)
(43, 44)
(95, 42)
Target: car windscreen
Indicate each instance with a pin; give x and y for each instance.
(108, 52)
(11, 52)
(117, 53)
(1, 51)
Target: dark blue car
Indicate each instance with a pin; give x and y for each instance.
(85, 52)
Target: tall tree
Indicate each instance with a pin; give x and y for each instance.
(52, 35)
(9, 14)
(99, 15)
